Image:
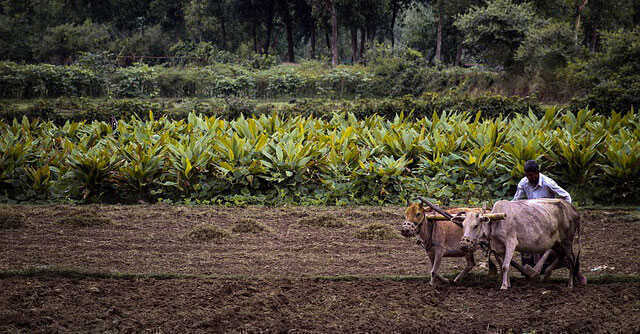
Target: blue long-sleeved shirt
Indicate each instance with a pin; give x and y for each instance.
(546, 188)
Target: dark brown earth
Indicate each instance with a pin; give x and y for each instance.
(140, 272)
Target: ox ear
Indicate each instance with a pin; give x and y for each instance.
(484, 219)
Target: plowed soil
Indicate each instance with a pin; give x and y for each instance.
(136, 269)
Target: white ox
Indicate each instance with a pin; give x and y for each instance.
(533, 226)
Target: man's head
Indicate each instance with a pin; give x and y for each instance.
(532, 171)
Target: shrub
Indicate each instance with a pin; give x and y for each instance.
(29, 81)
(139, 80)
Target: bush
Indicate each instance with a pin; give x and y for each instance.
(77, 109)
(97, 76)
(135, 81)
(30, 81)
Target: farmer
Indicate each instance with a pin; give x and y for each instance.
(536, 185)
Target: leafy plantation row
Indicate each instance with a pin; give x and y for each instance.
(452, 157)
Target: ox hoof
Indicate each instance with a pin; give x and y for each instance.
(530, 272)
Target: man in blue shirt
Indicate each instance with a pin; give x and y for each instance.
(535, 185)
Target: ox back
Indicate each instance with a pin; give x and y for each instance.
(537, 224)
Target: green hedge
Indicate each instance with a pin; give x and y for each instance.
(309, 79)
(76, 109)
(31, 81)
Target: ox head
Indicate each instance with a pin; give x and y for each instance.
(414, 216)
(476, 230)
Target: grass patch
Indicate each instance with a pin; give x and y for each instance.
(10, 219)
(324, 221)
(249, 225)
(377, 231)
(207, 232)
(82, 218)
(337, 278)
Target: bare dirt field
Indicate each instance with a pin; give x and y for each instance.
(140, 268)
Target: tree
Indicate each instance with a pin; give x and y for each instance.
(496, 31)
(60, 43)
(326, 9)
(548, 46)
(397, 7)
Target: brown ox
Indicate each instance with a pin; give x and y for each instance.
(534, 226)
(439, 238)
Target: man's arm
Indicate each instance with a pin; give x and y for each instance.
(520, 194)
(559, 191)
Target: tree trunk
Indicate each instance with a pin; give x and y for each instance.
(354, 44)
(267, 42)
(363, 40)
(334, 34)
(439, 37)
(286, 16)
(578, 15)
(327, 36)
(394, 14)
(459, 54)
(313, 41)
(255, 37)
(222, 27)
(594, 40)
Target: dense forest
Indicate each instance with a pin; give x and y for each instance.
(498, 32)
(580, 42)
